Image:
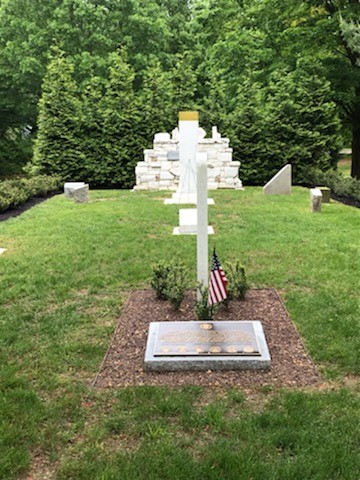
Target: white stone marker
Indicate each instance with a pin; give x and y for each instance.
(202, 222)
(315, 199)
(2, 250)
(280, 184)
(81, 194)
(70, 186)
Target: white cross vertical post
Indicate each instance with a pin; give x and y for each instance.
(202, 222)
(188, 129)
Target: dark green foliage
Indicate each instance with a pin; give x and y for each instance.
(57, 150)
(183, 78)
(15, 152)
(292, 120)
(303, 123)
(237, 283)
(247, 128)
(89, 135)
(155, 103)
(160, 274)
(169, 280)
(202, 308)
(122, 144)
(339, 185)
(17, 191)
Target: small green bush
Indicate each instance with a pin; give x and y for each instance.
(237, 283)
(17, 191)
(169, 281)
(203, 310)
(339, 185)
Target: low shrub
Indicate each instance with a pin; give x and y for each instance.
(203, 310)
(169, 282)
(17, 191)
(237, 283)
(339, 185)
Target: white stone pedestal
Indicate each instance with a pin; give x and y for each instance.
(188, 223)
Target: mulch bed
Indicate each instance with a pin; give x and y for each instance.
(14, 212)
(123, 365)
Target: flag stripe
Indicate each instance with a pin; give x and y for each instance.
(218, 282)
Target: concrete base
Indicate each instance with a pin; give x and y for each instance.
(208, 362)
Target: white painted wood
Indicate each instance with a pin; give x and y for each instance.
(202, 222)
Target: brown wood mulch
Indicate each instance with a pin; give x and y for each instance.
(123, 365)
(18, 210)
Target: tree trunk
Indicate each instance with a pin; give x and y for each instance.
(355, 163)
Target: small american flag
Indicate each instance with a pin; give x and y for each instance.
(218, 282)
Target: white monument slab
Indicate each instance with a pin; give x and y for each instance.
(2, 250)
(280, 184)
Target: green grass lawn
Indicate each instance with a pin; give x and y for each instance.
(68, 271)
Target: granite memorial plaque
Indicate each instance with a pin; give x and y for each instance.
(206, 338)
(206, 345)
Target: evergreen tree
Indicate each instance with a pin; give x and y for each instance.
(155, 103)
(57, 149)
(183, 78)
(303, 123)
(247, 129)
(91, 139)
(122, 141)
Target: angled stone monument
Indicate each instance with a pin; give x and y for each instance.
(81, 194)
(70, 186)
(280, 184)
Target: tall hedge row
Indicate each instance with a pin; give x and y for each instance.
(95, 132)
(88, 133)
(291, 120)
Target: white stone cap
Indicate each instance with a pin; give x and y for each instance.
(161, 137)
(316, 192)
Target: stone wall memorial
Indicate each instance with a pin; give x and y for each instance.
(160, 169)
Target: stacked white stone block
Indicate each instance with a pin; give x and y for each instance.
(160, 169)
